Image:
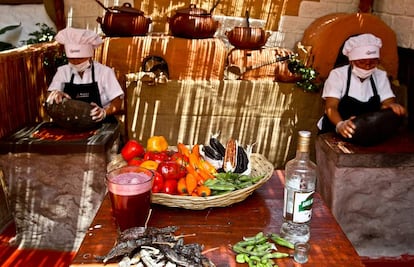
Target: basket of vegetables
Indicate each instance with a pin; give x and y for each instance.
(261, 172)
(199, 176)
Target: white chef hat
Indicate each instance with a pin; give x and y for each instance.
(362, 46)
(79, 43)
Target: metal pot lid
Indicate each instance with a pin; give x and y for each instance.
(127, 7)
(192, 10)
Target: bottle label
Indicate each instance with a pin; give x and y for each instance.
(298, 206)
(302, 207)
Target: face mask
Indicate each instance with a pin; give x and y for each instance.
(361, 73)
(81, 67)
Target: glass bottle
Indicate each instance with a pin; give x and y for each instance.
(300, 179)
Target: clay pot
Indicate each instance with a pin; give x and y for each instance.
(193, 23)
(124, 21)
(375, 127)
(71, 114)
(247, 37)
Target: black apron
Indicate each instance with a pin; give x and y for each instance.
(349, 106)
(88, 92)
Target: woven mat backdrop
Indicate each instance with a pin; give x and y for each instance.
(262, 112)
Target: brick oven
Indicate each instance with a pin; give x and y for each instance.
(325, 37)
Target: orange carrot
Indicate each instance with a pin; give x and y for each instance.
(183, 149)
(203, 191)
(182, 186)
(191, 182)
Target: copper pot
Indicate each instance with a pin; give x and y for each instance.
(247, 37)
(122, 21)
(193, 23)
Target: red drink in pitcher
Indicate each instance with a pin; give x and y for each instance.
(130, 192)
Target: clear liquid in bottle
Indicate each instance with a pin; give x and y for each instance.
(300, 180)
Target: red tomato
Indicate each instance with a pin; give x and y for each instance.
(171, 170)
(135, 161)
(156, 156)
(170, 187)
(180, 158)
(132, 149)
(158, 184)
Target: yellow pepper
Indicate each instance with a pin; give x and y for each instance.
(157, 144)
(150, 165)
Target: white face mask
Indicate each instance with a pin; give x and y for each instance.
(81, 67)
(361, 73)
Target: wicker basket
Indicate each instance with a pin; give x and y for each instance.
(260, 166)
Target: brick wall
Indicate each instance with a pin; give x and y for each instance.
(291, 27)
(399, 15)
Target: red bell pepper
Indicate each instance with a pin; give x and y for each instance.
(157, 156)
(158, 183)
(132, 149)
(171, 170)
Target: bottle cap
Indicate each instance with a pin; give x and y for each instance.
(304, 140)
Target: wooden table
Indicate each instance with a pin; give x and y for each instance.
(218, 228)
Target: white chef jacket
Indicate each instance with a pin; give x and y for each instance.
(335, 86)
(109, 87)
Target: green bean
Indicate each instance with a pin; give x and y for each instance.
(254, 241)
(257, 236)
(244, 185)
(276, 255)
(281, 241)
(250, 247)
(241, 258)
(219, 187)
(262, 247)
(220, 192)
(245, 178)
(241, 250)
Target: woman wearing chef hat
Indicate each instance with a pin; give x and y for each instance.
(357, 88)
(84, 79)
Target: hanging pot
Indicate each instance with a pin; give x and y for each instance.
(193, 23)
(122, 21)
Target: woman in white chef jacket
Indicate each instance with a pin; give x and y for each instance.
(84, 79)
(357, 88)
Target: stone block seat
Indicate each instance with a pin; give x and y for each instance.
(11, 255)
(370, 191)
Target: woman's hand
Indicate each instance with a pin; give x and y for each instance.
(396, 108)
(346, 128)
(97, 113)
(56, 96)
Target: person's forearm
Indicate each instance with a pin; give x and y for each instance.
(115, 107)
(333, 116)
(387, 103)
